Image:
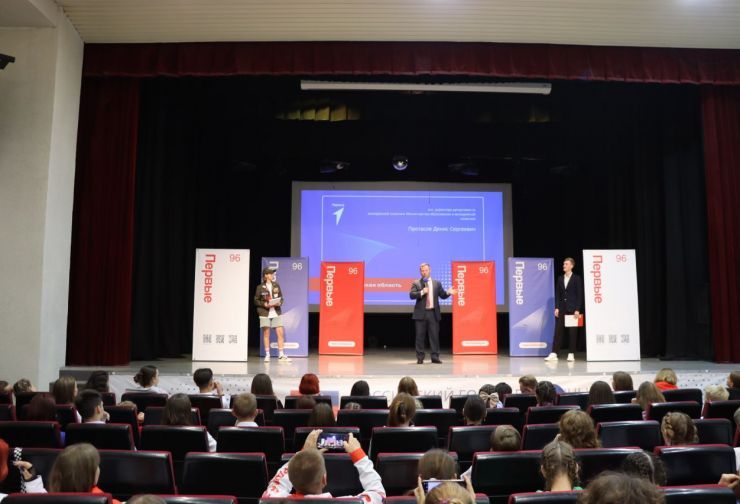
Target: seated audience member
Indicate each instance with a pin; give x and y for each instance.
(446, 493)
(716, 393)
(733, 380)
(619, 488)
(98, 380)
(489, 396)
(352, 406)
(503, 438)
(401, 411)
(666, 379)
(600, 393)
(203, 379)
(146, 499)
(622, 381)
(437, 464)
(559, 467)
(577, 429)
(64, 390)
(545, 393)
(474, 411)
(5, 386)
(321, 416)
(678, 429)
(645, 465)
(42, 408)
(647, 394)
(306, 473)
(23, 385)
(262, 386)
(305, 402)
(32, 482)
(245, 410)
(89, 404)
(76, 469)
(360, 388)
(408, 386)
(178, 411)
(502, 389)
(309, 384)
(147, 381)
(527, 384)
(731, 481)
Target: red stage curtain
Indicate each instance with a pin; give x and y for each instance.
(99, 320)
(532, 61)
(721, 110)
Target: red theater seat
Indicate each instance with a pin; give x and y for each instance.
(594, 461)
(625, 396)
(642, 433)
(58, 498)
(6, 397)
(102, 436)
(24, 398)
(218, 418)
(124, 414)
(683, 394)
(699, 494)
(205, 403)
(402, 439)
(430, 401)
(177, 440)
(614, 412)
(442, 419)
(545, 497)
(500, 474)
(520, 401)
(365, 419)
(579, 399)
(536, 436)
(243, 475)
(7, 413)
(42, 460)
(714, 430)
(457, 402)
(696, 464)
(468, 439)
(289, 419)
(143, 400)
(267, 440)
(125, 473)
(410, 499)
(505, 416)
(399, 471)
(198, 499)
(365, 402)
(721, 409)
(657, 411)
(292, 401)
(547, 414)
(301, 433)
(31, 434)
(153, 416)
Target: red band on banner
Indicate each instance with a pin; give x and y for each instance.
(341, 308)
(474, 329)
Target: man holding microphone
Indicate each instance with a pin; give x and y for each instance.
(427, 315)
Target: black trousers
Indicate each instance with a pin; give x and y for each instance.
(559, 330)
(430, 325)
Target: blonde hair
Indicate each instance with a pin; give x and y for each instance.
(401, 410)
(305, 470)
(577, 429)
(667, 375)
(75, 469)
(505, 438)
(449, 493)
(558, 457)
(716, 393)
(678, 429)
(648, 393)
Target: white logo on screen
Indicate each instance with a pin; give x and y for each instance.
(338, 213)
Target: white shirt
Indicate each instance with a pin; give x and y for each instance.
(225, 399)
(246, 424)
(147, 390)
(272, 313)
(430, 293)
(566, 279)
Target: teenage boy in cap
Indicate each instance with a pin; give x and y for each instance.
(269, 312)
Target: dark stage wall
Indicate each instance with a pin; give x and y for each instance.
(593, 165)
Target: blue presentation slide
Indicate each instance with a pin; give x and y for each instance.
(394, 231)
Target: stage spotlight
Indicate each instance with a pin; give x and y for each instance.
(400, 163)
(465, 167)
(5, 59)
(331, 166)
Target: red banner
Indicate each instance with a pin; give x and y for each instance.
(474, 329)
(341, 308)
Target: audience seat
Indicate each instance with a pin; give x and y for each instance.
(736, 441)
(219, 417)
(402, 439)
(109, 398)
(714, 430)
(6, 397)
(505, 416)
(178, 440)
(734, 394)
(469, 439)
(624, 396)
(268, 404)
(42, 460)
(125, 473)
(198, 499)
(546, 414)
(696, 464)
(536, 436)
(365, 402)
(102, 436)
(442, 419)
(342, 477)
(600, 413)
(714, 494)
(719, 409)
(594, 461)
(683, 394)
(124, 414)
(205, 403)
(58, 498)
(520, 401)
(398, 471)
(153, 415)
(642, 433)
(268, 440)
(66, 415)
(657, 411)
(430, 401)
(410, 499)
(365, 419)
(289, 419)
(457, 402)
(301, 433)
(579, 399)
(31, 434)
(314, 500)
(545, 497)
(500, 474)
(24, 398)
(243, 475)
(291, 401)
(143, 400)
(7, 413)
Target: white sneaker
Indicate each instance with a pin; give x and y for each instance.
(571, 357)
(552, 357)
(267, 357)
(284, 358)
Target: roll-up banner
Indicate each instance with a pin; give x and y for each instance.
(341, 308)
(531, 306)
(292, 275)
(612, 316)
(474, 329)
(221, 305)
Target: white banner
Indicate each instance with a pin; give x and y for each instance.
(221, 305)
(612, 316)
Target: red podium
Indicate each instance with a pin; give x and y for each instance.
(341, 308)
(474, 328)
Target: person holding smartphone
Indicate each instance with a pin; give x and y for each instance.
(306, 473)
(268, 298)
(31, 481)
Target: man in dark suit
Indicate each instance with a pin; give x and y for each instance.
(568, 301)
(426, 312)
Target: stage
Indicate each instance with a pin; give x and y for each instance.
(459, 374)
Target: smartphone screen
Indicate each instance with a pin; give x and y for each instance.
(429, 485)
(332, 441)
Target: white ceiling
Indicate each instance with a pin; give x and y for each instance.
(658, 23)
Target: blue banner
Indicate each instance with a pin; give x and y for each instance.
(292, 275)
(531, 306)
